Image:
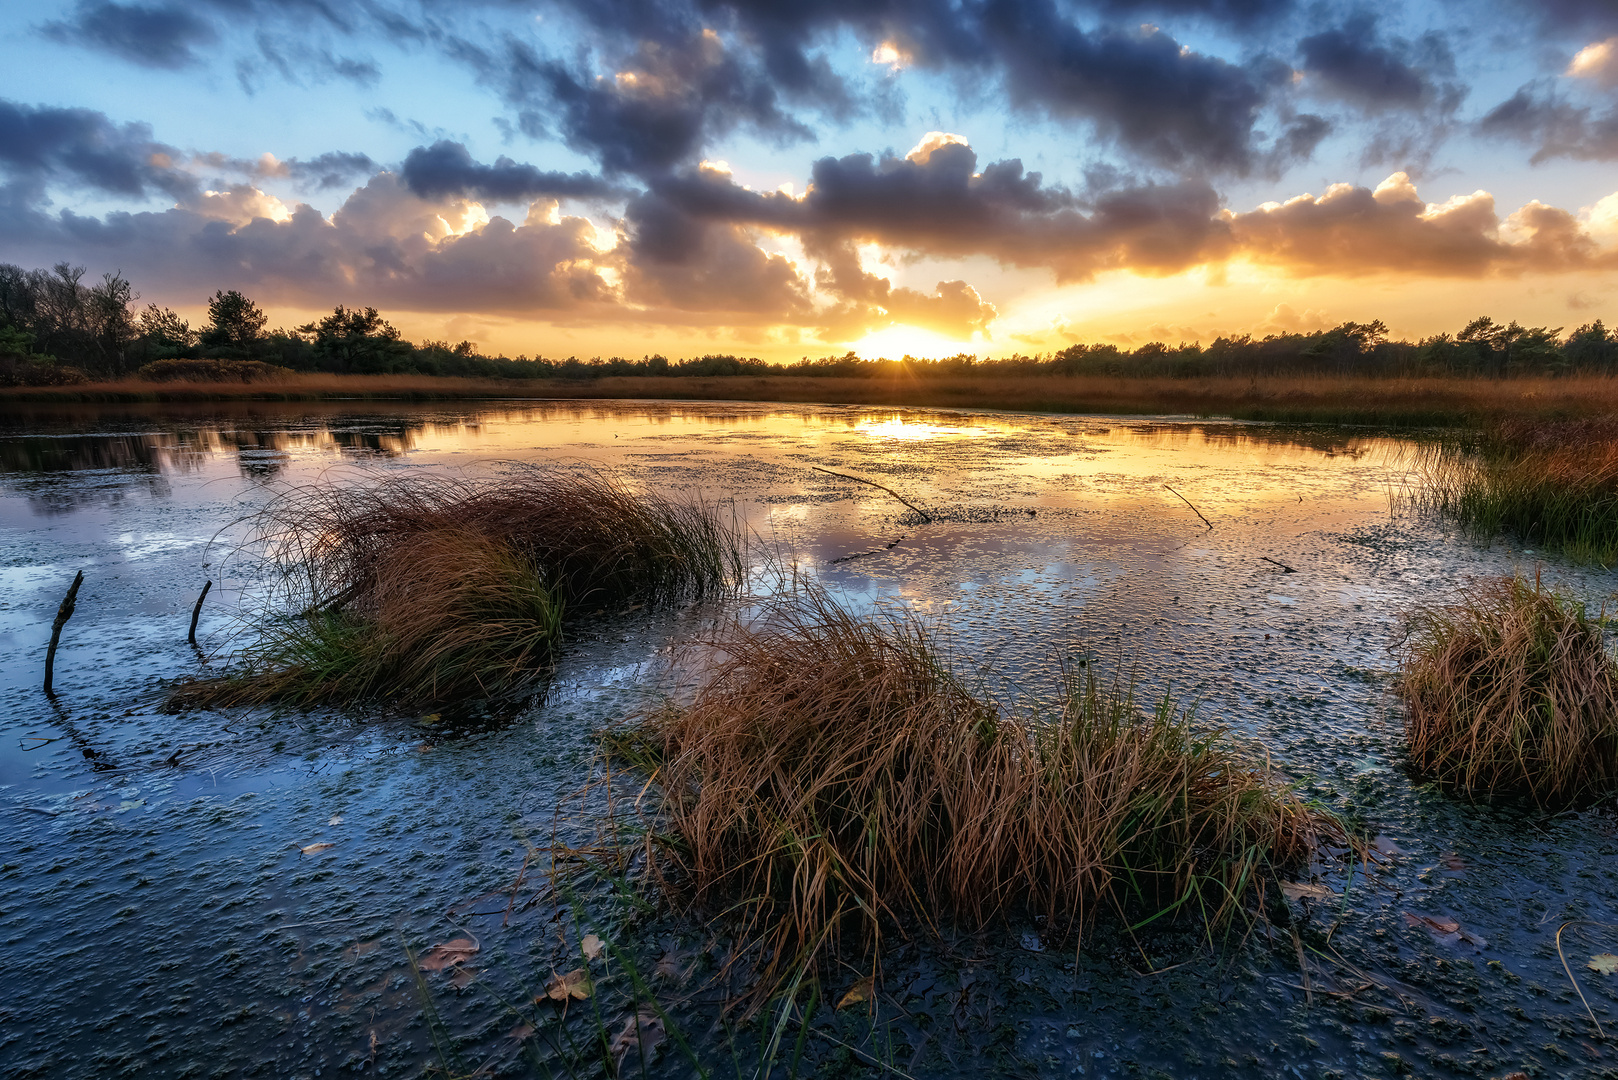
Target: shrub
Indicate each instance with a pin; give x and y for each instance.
(1511, 693)
(181, 370)
(830, 773)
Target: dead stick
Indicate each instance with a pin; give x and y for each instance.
(63, 614)
(196, 612)
(1194, 510)
(926, 518)
(1282, 565)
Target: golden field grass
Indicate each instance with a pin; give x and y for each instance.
(1321, 399)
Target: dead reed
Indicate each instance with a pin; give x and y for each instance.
(831, 774)
(1511, 693)
(1552, 483)
(432, 589)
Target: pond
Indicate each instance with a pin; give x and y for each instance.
(242, 892)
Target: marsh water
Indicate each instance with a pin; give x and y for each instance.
(241, 893)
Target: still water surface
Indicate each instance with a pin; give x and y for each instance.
(160, 917)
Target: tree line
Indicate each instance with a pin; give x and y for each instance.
(56, 327)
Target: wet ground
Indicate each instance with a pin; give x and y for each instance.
(242, 893)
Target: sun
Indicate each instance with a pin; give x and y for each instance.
(900, 340)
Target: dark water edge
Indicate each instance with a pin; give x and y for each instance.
(160, 917)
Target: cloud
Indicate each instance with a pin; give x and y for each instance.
(1353, 231)
(1351, 64)
(659, 106)
(447, 169)
(159, 35)
(83, 148)
(1597, 62)
(1557, 128)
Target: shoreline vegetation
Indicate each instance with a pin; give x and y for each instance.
(1381, 402)
(65, 340)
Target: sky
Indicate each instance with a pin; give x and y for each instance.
(630, 177)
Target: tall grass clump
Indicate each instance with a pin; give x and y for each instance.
(1551, 483)
(832, 775)
(432, 589)
(1512, 693)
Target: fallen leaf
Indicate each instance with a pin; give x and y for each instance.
(336, 819)
(448, 954)
(359, 949)
(668, 967)
(430, 718)
(592, 947)
(860, 991)
(575, 984)
(1604, 962)
(1445, 930)
(520, 1032)
(1452, 863)
(315, 849)
(1297, 890)
(641, 1035)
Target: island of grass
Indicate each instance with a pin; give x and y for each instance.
(426, 590)
(832, 778)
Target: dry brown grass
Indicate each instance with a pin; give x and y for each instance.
(1512, 694)
(1324, 399)
(831, 775)
(426, 589)
(1554, 484)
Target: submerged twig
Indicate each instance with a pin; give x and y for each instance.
(63, 614)
(196, 612)
(1194, 510)
(1275, 562)
(926, 518)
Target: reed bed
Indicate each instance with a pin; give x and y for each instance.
(1554, 484)
(832, 775)
(1512, 693)
(431, 589)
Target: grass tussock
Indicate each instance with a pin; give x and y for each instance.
(431, 589)
(1554, 484)
(832, 774)
(1511, 693)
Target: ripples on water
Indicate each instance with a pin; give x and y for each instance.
(160, 918)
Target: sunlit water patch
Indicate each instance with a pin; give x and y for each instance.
(235, 893)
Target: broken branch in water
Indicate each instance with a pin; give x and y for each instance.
(1284, 567)
(1194, 510)
(926, 518)
(196, 612)
(63, 614)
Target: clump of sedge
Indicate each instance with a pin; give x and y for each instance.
(1511, 693)
(832, 774)
(426, 590)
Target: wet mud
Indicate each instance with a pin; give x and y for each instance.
(261, 893)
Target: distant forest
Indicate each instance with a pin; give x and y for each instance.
(56, 329)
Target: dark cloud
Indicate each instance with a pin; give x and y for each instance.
(82, 148)
(446, 168)
(663, 104)
(1535, 115)
(160, 35)
(1351, 65)
(331, 169)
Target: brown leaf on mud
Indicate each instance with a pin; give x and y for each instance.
(1445, 930)
(860, 991)
(1603, 962)
(1297, 890)
(591, 947)
(315, 849)
(520, 1032)
(359, 949)
(1452, 863)
(641, 1034)
(448, 954)
(668, 968)
(575, 984)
